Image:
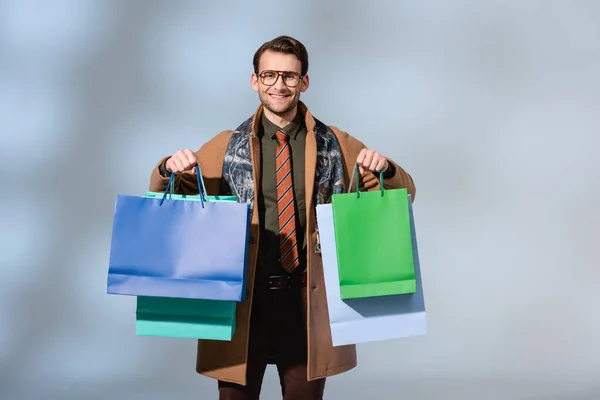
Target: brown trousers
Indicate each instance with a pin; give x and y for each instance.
(277, 336)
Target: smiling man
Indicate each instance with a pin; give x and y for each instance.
(283, 161)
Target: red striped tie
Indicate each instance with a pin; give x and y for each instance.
(288, 244)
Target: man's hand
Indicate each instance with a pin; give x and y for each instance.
(372, 161)
(182, 160)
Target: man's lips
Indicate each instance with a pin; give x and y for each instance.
(279, 96)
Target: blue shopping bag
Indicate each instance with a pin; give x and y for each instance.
(368, 319)
(170, 247)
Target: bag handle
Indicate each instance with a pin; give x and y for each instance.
(355, 177)
(199, 179)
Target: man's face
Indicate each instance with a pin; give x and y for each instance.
(279, 98)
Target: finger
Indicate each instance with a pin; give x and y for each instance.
(360, 159)
(183, 160)
(376, 160)
(368, 159)
(361, 156)
(381, 165)
(187, 160)
(178, 164)
(190, 156)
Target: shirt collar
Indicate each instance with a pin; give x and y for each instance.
(292, 129)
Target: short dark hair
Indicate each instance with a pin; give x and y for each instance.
(286, 45)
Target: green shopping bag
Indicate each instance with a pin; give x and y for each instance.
(374, 242)
(186, 318)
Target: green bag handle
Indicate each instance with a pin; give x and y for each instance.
(355, 177)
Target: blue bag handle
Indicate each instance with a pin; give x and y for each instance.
(199, 179)
(355, 177)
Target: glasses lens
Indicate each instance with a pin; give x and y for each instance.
(268, 77)
(291, 79)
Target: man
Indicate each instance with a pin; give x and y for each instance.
(282, 161)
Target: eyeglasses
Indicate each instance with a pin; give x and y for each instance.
(290, 78)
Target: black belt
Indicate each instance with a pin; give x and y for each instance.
(276, 282)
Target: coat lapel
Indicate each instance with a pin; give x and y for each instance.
(255, 157)
(310, 167)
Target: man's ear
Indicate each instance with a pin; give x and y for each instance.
(254, 82)
(305, 83)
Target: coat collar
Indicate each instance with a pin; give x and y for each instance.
(309, 120)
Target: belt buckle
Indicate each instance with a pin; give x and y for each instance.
(277, 282)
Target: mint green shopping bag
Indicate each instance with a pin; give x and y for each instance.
(373, 242)
(185, 318)
(182, 317)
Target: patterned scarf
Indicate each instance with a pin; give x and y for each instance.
(238, 174)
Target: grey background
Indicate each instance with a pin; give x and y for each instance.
(491, 106)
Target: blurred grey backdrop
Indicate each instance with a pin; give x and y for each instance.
(493, 107)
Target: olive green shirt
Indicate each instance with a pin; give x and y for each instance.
(268, 256)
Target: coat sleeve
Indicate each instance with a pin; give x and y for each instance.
(210, 159)
(351, 147)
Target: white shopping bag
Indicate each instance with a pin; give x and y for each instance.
(368, 319)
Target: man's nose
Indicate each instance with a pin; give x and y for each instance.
(279, 85)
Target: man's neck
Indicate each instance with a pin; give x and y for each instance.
(283, 119)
